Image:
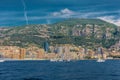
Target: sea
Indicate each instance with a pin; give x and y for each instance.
(73, 70)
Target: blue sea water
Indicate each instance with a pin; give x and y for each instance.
(46, 70)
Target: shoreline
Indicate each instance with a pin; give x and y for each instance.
(49, 59)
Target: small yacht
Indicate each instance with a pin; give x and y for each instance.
(2, 60)
(68, 60)
(53, 60)
(100, 60)
(60, 60)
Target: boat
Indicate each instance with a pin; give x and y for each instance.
(2, 60)
(53, 60)
(110, 58)
(100, 60)
(60, 60)
(68, 60)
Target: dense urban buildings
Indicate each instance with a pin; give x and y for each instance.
(61, 51)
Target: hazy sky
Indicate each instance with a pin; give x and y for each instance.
(21, 12)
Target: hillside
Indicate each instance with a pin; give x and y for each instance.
(81, 32)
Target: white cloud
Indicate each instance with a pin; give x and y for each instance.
(7, 16)
(56, 14)
(63, 13)
(111, 19)
(66, 11)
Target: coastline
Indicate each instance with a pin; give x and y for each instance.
(49, 59)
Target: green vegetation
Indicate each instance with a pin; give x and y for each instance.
(80, 32)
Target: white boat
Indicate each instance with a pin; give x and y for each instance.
(68, 60)
(110, 58)
(2, 60)
(56, 60)
(53, 60)
(60, 60)
(100, 60)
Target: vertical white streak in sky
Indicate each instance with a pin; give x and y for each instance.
(25, 12)
(48, 21)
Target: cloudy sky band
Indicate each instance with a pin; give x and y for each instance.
(45, 11)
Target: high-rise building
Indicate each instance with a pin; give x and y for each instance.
(22, 53)
(85, 51)
(46, 46)
(100, 51)
(60, 50)
(40, 54)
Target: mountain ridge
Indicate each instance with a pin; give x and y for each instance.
(80, 32)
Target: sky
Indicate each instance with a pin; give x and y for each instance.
(24, 12)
